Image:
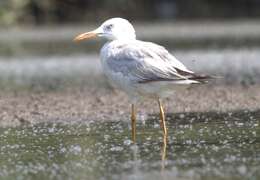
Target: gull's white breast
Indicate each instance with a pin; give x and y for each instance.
(116, 78)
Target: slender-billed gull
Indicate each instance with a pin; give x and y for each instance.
(139, 68)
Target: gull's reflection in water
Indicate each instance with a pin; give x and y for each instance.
(137, 159)
(163, 152)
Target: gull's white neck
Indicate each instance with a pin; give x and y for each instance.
(122, 37)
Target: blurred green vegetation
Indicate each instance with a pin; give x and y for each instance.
(66, 11)
(12, 10)
(74, 11)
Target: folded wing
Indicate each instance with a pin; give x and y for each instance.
(144, 62)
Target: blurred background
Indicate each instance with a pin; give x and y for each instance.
(35, 12)
(37, 52)
(73, 126)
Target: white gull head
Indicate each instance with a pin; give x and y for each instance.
(116, 29)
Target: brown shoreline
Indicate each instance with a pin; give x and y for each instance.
(100, 104)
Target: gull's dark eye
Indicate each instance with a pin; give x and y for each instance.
(109, 27)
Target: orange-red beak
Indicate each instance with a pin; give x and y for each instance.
(87, 35)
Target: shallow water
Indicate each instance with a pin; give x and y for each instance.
(199, 146)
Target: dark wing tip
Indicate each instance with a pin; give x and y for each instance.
(193, 76)
(203, 78)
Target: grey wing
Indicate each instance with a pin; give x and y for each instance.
(143, 62)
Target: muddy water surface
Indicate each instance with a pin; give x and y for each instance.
(199, 146)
